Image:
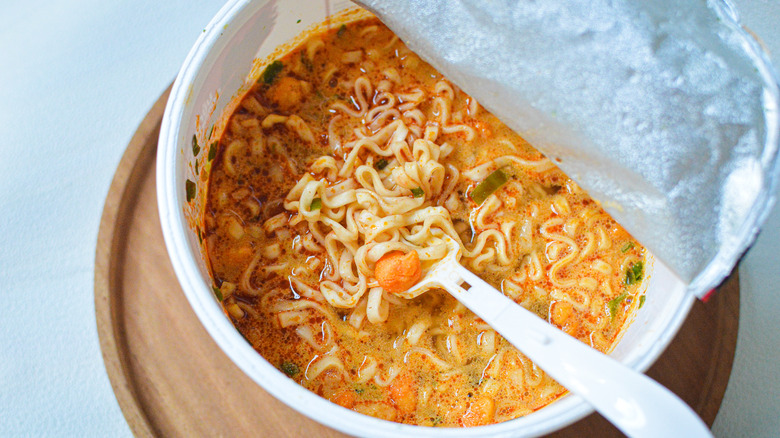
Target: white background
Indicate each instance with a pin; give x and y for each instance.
(76, 78)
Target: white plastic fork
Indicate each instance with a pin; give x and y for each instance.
(633, 402)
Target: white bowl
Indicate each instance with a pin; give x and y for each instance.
(215, 71)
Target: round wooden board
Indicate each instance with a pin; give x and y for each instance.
(171, 379)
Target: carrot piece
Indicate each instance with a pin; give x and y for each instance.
(561, 314)
(403, 393)
(376, 409)
(289, 92)
(396, 272)
(561, 311)
(480, 412)
(345, 398)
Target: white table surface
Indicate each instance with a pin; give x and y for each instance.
(76, 78)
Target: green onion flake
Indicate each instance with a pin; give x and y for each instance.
(270, 72)
(217, 292)
(633, 273)
(191, 190)
(381, 164)
(289, 368)
(212, 151)
(306, 63)
(642, 301)
(418, 192)
(493, 182)
(316, 204)
(614, 303)
(195, 147)
(627, 247)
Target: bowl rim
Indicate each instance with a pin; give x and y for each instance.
(553, 417)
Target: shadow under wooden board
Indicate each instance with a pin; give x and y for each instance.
(171, 379)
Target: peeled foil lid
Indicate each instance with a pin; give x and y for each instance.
(666, 111)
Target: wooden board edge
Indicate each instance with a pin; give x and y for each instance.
(728, 301)
(110, 253)
(106, 259)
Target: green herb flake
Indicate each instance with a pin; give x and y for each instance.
(627, 247)
(289, 368)
(298, 21)
(381, 164)
(488, 186)
(270, 72)
(417, 192)
(306, 62)
(200, 237)
(316, 204)
(642, 301)
(360, 390)
(435, 421)
(191, 190)
(634, 273)
(197, 168)
(211, 131)
(218, 293)
(613, 304)
(341, 30)
(195, 146)
(212, 151)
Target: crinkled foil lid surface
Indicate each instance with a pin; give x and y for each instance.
(664, 111)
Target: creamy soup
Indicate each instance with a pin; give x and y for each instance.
(350, 169)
